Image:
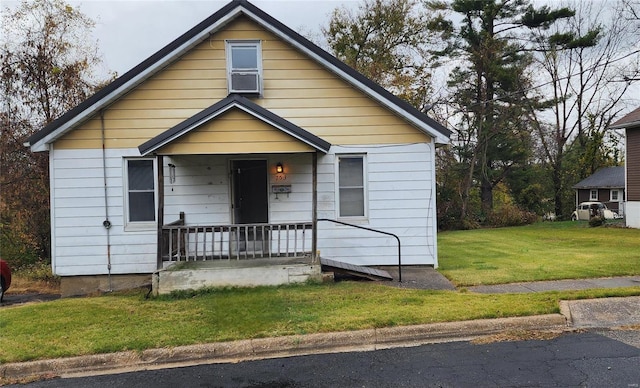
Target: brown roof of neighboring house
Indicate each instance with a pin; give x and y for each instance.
(631, 119)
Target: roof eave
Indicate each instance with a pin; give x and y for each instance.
(348, 74)
(628, 125)
(137, 75)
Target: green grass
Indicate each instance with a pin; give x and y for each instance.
(543, 251)
(118, 322)
(128, 321)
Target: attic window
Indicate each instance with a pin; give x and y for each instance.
(244, 67)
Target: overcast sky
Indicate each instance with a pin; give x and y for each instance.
(130, 31)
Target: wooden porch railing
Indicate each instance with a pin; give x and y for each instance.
(239, 241)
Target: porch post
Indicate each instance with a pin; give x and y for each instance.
(160, 217)
(314, 207)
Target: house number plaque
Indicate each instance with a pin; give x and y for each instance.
(281, 189)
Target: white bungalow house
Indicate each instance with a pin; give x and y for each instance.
(240, 140)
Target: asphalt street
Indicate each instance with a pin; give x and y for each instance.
(608, 315)
(595, 358)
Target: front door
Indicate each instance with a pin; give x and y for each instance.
(250, 191)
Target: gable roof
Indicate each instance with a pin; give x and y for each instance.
(215, 22)
(631, 119)
(608, 177)
(222, 106)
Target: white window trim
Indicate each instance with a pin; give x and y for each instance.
(591, 197)
(611, 199)
(138, 225)
(246, 43)
(365, 181)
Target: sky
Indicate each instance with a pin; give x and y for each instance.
(130, 31)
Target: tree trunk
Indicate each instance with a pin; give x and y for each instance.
(557, 188)
(486, 196)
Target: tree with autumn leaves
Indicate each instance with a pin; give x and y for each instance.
(492, 51)
(48, 65)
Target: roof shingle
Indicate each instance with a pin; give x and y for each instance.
(607, 177)
(631, 119)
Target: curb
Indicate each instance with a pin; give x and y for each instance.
(263, 348)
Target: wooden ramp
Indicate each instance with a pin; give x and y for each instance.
(354, 270)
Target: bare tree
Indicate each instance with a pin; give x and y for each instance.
(47, 68)
(586, 84)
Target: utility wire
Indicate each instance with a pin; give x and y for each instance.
(627, 79)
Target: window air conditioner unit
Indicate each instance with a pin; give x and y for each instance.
(245, 83)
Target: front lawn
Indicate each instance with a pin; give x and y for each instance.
(542, 251)
(128, 321)
(116, 322)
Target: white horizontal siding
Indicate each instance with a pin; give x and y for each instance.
(401, 200)
(200, 190)
(632, 214)
(79, 240)
(297, 206)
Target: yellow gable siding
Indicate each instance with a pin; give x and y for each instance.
(295, 87)
(234, 132)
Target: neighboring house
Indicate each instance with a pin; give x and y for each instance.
(605, 185)
(231, 142)
(631, 124)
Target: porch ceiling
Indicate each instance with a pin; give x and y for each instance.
(234, 125)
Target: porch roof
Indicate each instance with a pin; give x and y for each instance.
(233, 101)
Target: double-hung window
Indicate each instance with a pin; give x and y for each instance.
(244, 66)
(593, 195)
(140, 191)
(352, 186)
(615, 195)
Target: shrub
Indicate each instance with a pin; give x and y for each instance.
(596, 221)
(470, 224)
(510, 215)
(39, 271)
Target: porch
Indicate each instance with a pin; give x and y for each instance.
(247, 255)
(273, 271)
(239, 255)
(235, 242)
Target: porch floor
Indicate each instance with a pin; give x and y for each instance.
(235, 273)
(232, 263)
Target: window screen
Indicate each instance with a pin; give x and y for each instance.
(244, 57)
(141, 190)
(351, 186)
